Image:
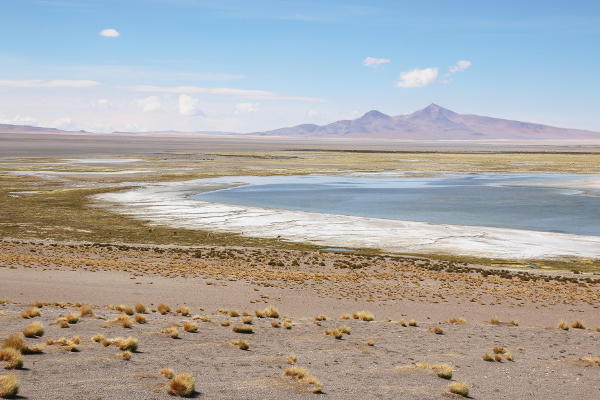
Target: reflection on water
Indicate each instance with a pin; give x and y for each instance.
(533, 202)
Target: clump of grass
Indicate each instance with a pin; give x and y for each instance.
(31, 312)
(321, 317)
(120, 307)
(345, 316)
(168, 373)
(402, 322)
(563, 325)
(460, 388)
(301, 374)
(34, 329)
(69, 345)
(577, 324)
(183, 310)
(140, 308)
(438, 330)
(86, 310)
(140, 319)
(455, 320)
(287, 325)
(514, 322)
(124, 320)
(12, 357)
(171, 332)
(370, 343)
(129, 344)
(64, 324)
(412, 322)
(498, 357)
(593, 360)
(16, 342)
(98, 338)
(363, 316)
(270, 312)
(487, 357)
(292, 359)
(182, 385)
(72, 318)
(163, 308)
(225, 323)
(247, 320)
(234, 314)
(39, 304)
(509, 356)
(242, 329)
(190, 327)
(105, 342)
(499, 350)
(203, 318)
(336, 333)
(443, 370)
(495, 320)
(126, 355)
(276, 324)
(259, 314)
(242, 344)
(9, 386)
(128, 310)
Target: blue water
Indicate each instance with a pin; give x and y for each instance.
(504, 201)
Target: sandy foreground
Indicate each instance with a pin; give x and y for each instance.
(168, 205)
(549, 363)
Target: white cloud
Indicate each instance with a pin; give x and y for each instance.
(374, 62)
(246, 108)
(134, 128)
(65, 124)
(418, 77)
(109, 33)
(189, 106)
(47, 84)
(17, 120)
(314, 114)
(459, 67)
(102, 128)
(149, 104)
(257, 94)
(104, 104)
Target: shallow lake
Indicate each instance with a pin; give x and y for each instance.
(534, 202)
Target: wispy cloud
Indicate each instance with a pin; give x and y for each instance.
(18, 120)
(242, 108)
(48, 84)
(418, 77)
(109, 33)
(149, 104)
(65, 124)
(256, 94)
(459, 67)
(374, 62)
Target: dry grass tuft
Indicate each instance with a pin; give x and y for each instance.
(287, 325)
(363, 316)
(242, 344)
(86, 310)
(498, 357)
(64, 324)
(509, 356)
(495, 320)
(402, 322)
(98, 338)
(126, 355)
(438, 330)
(124, 320)
(487, 357)
(577, 324)
(34, 329)
(225, 323)
(344, 329)
(183, 310)
(9, 386)
(370, 343)
(31, 312)
(16, 342)
(129, 344)
(182, 385)
(301, 374)
(72, 318)
(443, 370)
(168, 373)
(247, 320)
(321, 318)
(172, 332)
(292, 359)
(455, 320)
(336, 333)
(39, 304)
(499, 350)
(592, 360)
(163, 308)
(563, 325)
(259, 314)
(270, 312)
(190, 327)
(234, 313)
(412, 322)
(242, 329)
(276, 324)
(345, 316)
(140, 319)
(514, 322)
(460, 388)
(13, 358)
(140, 308)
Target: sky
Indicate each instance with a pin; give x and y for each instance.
(246, 66)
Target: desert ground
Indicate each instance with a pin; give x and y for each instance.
(373, 323)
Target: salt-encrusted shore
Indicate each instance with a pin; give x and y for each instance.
(169, 205)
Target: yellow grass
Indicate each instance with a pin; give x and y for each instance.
(72, 318)
(190, 326)
(242, 344)
(9, 386)
(563, 325)
(126, 355)
(242, 329)
(455, 320)
(140, 308)
(168, 373)
(140, 319)
(31, 312)
(98, 338)
(86, 310)
(577, 324)
(495, 320)
(460, 388)
(12, 357)
(34, 329)
(182, 385)
(163, 308)
(363, 316)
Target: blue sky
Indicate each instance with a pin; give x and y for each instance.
(247, 66)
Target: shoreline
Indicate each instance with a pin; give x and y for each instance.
(168, 205)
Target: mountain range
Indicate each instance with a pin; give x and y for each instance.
(431, 123)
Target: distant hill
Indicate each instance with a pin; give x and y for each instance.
(7, 128)
(431, 123)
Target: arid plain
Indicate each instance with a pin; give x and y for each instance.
(369, 324)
